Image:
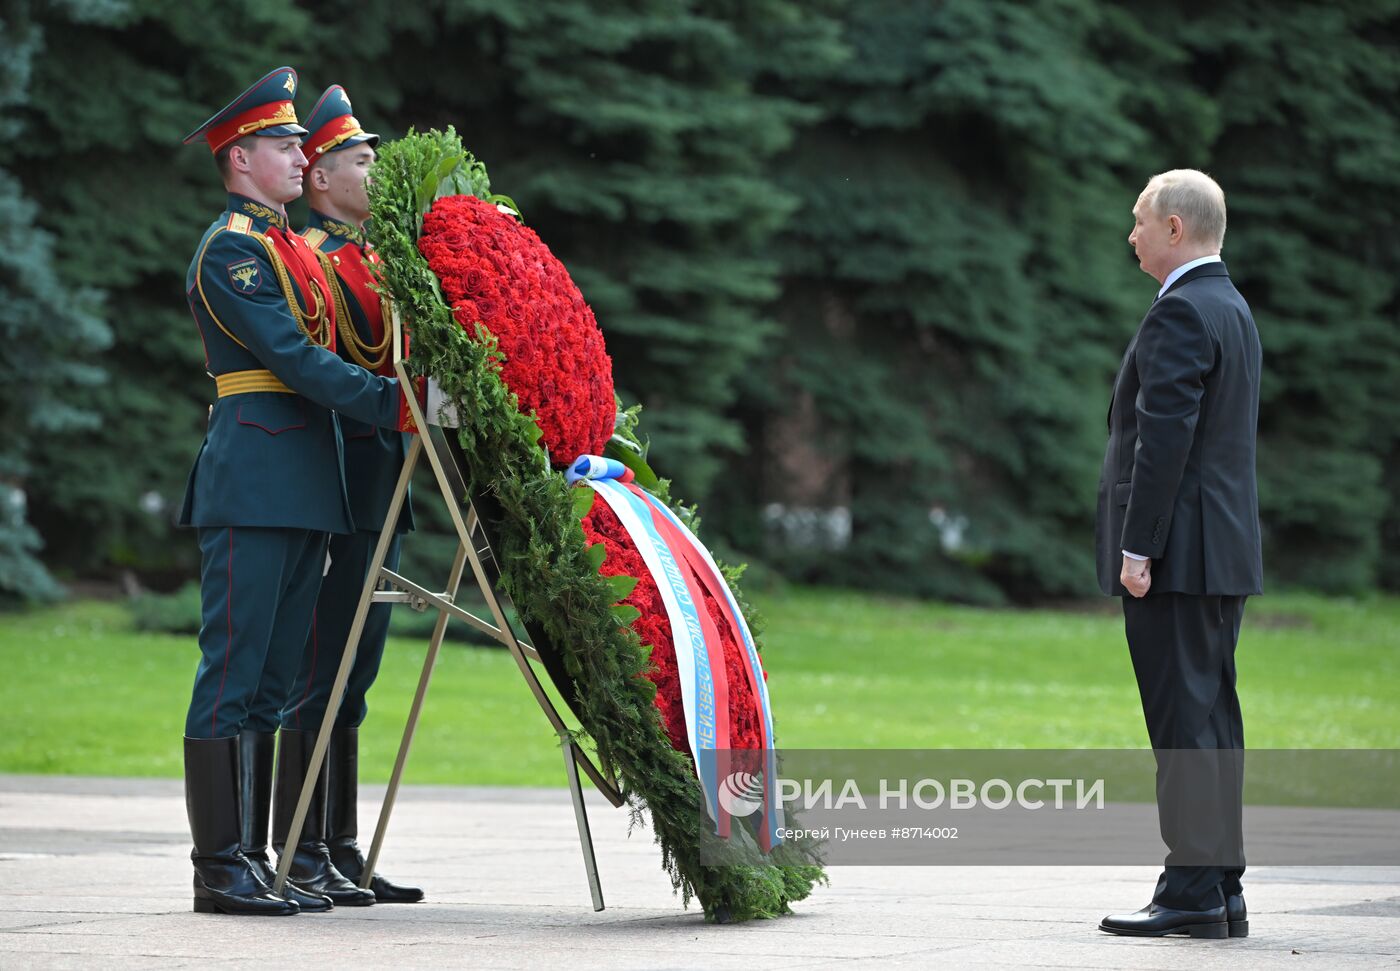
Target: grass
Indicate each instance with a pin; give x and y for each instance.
(83, 693)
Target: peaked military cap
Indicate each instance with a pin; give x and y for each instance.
(333, 126)
(264, 109)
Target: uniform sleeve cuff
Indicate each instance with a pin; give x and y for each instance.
(420, 390)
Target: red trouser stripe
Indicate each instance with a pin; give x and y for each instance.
(228, 644)
(311, 675)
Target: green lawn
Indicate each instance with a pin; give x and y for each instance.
(83, 693)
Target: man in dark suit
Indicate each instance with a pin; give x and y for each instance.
(1178, 540)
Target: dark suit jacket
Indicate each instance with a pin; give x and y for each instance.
(1178, 479)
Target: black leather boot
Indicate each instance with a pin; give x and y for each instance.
(342, 823)
(312, 869)
(224, 881)
(255, 759)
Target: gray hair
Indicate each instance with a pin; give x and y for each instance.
(1195, 197)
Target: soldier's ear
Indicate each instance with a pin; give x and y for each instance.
(239, 155)
(320, 181)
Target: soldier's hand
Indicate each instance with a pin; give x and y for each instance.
(440, 410)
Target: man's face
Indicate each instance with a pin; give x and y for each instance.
(274, 166)
(346, 181)
(1152, 238)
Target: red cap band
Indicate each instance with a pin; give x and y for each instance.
(252, 120)
(329, 135)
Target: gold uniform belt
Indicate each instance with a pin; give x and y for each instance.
(246, 382)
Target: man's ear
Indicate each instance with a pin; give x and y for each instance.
(238, 158)
(319, 180)
(1176, 228)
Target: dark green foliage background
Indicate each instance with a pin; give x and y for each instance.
(881, 242)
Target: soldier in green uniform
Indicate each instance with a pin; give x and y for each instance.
(267, 486)
(339, 152)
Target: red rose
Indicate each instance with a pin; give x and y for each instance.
(498, 272)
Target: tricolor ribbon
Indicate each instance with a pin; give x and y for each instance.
(684, 571)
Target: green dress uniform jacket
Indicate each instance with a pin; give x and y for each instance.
(272, 452)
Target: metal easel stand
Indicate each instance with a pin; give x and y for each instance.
(385, 586)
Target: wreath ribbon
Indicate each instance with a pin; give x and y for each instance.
(685, 568)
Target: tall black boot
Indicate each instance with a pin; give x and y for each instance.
(342, 823)
(255, 759)
(224, 881)
(312, 868)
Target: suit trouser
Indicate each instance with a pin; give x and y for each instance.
(330, 630)
(258, 588)
(1183, 651)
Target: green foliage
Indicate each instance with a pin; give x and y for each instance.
(50, 332)
(1309, 150)
(167, 613)
(863, 257)
(113, 88)
(546, 568)
(958, 289)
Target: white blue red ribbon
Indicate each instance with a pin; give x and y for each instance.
(596, 467)
(692, 659)
(682, 568)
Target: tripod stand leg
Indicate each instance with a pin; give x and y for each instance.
(347, 661)
(453, 581)
(585, 836)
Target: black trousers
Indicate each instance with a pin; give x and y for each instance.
(1183, 650)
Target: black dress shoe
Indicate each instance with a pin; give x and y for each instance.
(1155, 920)
(1237, 915)
(351, 862)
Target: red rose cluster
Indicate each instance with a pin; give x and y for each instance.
(497, 272)
(601, 525)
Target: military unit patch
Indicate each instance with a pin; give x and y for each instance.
(244, 276)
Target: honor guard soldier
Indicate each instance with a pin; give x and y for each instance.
(266, 489)
(339, 154)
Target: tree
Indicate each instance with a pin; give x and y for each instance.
(1309, 103)
(956, 300)
(865, 264)
(955, 286)
(50, 332)
(126, 204)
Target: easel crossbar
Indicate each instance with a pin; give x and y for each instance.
(412, 592)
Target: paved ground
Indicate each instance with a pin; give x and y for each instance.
(95, 872)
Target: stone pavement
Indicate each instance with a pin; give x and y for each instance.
(96, 874)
